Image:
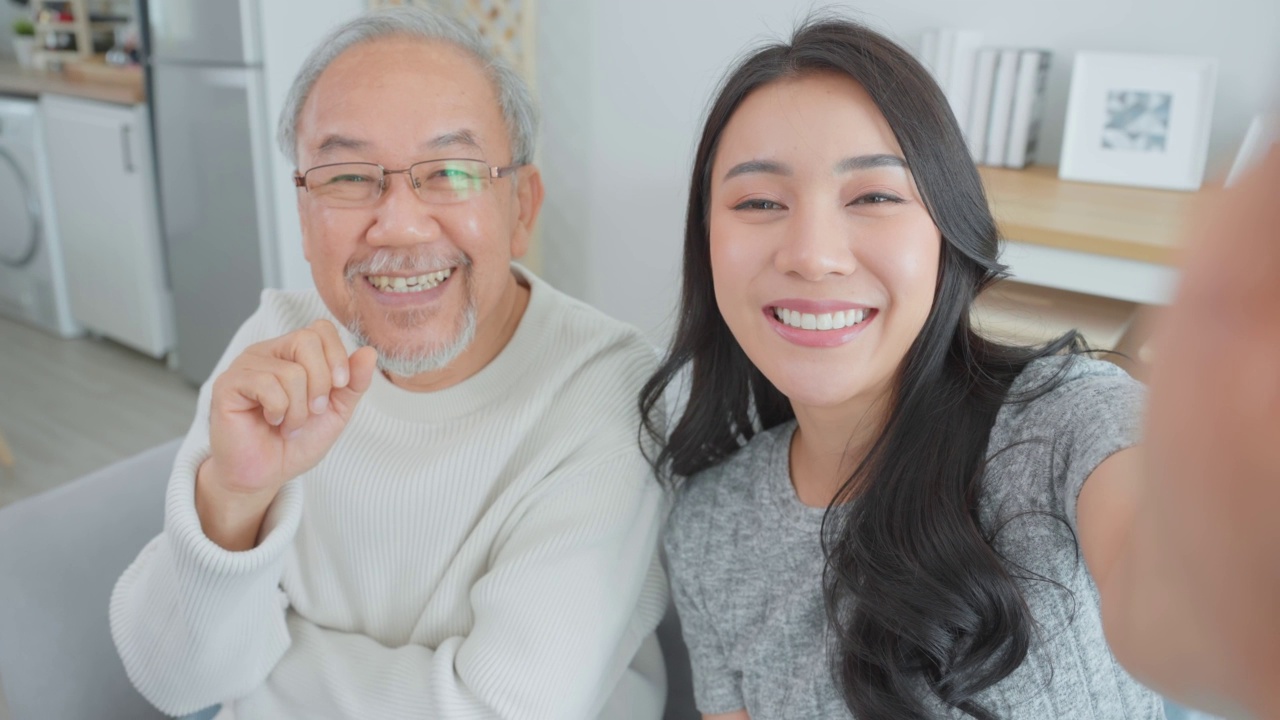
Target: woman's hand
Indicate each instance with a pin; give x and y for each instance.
(1212, 448)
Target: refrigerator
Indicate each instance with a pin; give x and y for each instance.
(217, 75)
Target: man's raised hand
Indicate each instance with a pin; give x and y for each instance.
(274, 414)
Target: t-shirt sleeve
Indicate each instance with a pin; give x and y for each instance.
(1093, 411)
(717, 686)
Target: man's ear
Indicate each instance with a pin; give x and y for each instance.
(528, 204)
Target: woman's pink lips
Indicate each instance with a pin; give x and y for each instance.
(819, 338)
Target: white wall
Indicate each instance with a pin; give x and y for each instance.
(623, 85)
(288, 37)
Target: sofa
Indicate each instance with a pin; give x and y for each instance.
(60, 555)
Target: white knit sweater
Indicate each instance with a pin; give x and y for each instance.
(488, 550)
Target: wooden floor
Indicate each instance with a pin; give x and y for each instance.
(71, 406)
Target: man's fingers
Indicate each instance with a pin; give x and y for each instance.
(292, 377)
(306, 348)
(334, 351)
(311, 371)
(250, 389)
(363, 364)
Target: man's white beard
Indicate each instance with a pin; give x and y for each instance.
(409, 360)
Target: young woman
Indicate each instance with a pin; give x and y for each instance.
(883, 514)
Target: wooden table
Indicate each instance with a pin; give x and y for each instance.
(1104, 240)
(1092, 257)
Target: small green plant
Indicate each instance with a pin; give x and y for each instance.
(23, 26)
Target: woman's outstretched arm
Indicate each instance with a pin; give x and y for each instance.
(1181, 534)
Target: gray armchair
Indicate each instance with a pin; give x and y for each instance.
(60, 555)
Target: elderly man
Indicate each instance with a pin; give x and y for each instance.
(416, 492)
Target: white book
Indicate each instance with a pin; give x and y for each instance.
(959, 87)
(1001, 106)
(929, 50)
(1028, 106)
(984, 79)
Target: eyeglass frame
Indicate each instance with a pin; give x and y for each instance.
(495, 172)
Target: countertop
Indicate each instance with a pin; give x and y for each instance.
(26, 82)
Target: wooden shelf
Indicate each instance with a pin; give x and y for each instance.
(1034, 206)
(79, 27)
(71, 25)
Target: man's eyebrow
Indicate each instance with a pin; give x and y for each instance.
(340, 142)
(449, 139)
(758, 166)
(457, 137)
(867, 162)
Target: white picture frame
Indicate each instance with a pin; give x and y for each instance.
(1139, 120)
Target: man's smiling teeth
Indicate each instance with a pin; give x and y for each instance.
(823, 321)
(419, 283)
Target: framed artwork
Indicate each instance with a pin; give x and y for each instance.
(1139, 120)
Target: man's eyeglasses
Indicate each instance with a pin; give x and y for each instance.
(357, 184)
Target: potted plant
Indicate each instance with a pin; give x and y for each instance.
(24, 40)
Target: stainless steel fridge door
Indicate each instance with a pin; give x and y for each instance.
(204, 32)
(210, 190)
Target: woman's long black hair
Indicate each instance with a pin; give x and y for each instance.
(916, 595)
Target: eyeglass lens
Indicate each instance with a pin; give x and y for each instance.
(436, 181)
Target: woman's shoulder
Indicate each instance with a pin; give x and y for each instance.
(712, 502)
(1062, 417)
(1069, 389)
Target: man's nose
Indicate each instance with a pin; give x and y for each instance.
(400, 216)
(817, 242)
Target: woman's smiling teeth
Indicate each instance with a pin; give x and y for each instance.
(820, 321)
(418, 283)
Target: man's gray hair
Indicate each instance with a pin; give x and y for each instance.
(428, 25)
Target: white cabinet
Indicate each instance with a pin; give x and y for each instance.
(104, 200)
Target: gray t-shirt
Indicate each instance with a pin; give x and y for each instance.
(746, 564)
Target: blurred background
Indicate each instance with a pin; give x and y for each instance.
(144, 205)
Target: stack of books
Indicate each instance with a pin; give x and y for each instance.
(996, 94)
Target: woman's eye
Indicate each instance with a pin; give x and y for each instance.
(757, 204)
(876, 199)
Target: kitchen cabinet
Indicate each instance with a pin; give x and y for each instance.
(103, 182)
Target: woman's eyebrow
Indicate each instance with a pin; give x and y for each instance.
(849, 164)
(867, 162)
(758, 166)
